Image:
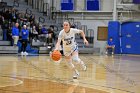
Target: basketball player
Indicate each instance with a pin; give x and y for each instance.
(70, 47)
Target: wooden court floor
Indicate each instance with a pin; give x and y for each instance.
(39, 74)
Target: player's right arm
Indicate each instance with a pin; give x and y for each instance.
(57, 46)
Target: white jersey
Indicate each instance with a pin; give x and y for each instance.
(69, 43)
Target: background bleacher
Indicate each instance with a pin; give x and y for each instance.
(45, 15)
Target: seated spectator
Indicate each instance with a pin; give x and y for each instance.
(110, 46)
(44, 35)
(13, 15)
(51, 35)
(44, 30)
(35, 34)
(1, 20)
(32, 18)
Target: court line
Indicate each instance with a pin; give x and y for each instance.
(20, 82)
(64, 81)
(58, 79)
(70, 82)
(13, 91)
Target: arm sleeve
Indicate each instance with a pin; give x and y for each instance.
(13, 31)
(76, 31)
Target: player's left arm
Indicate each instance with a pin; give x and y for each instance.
(84, 38)
(81, 32)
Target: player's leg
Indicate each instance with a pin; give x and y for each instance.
(113, 50)
(22, 49)
(14, 41)
(71, 65)
(25, 45)
(75, 57)
(106, 50)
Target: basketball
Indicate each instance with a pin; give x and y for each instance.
(56, 55)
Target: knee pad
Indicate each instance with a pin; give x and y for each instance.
(76, 58)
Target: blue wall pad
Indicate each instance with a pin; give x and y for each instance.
(93, 5)
(29, 49)
(70, 1)
(67, 6)
(66, 1)
(130, 32)
(136, 1)
(113, 31)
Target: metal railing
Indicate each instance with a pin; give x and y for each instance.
(78, 25)
(49, 11)
(90, 36)
(28, 11)
(84, 28)
(45, 9)
(41, 19)
(3, 4)
(15, 3)
(52, 9)
(71, 20)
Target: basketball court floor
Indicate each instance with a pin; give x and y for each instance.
(39, 74)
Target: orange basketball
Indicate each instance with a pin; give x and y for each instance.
(56, 55)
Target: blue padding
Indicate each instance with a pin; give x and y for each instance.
(29, 49)
(113, 31)
(70, 1)
(130, 37)
(136, 1)
(66, 6)
(66, 1)
(93, 5)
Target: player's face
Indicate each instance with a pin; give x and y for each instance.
(66, 26)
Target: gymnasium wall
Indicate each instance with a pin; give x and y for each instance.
(93, 24)
(80, 5)
(106, 5)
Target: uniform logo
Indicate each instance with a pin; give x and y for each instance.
(68, 40)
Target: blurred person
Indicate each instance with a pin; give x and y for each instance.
(35, 34)
(52, 33)
(70, 47)
(25, 36)
(44, 35)
(15, 34)
(110, 46)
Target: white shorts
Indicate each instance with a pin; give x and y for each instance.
(69, 51)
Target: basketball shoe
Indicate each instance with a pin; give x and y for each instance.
(76, 74)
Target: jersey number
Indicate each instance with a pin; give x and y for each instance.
(68, 42)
